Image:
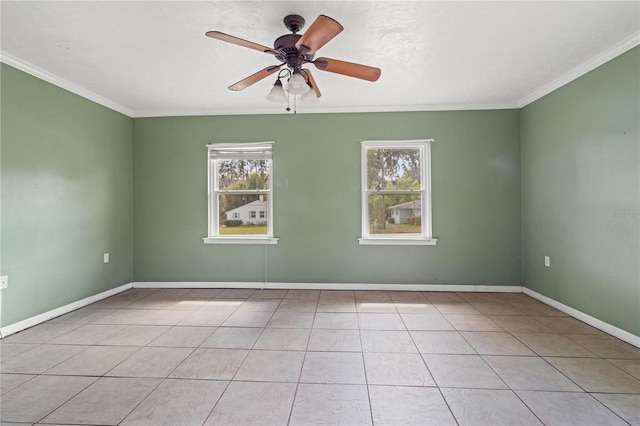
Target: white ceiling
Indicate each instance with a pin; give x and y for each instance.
(151, 58)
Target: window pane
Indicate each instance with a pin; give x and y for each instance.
(237, 214)
(243, 174)
(389, 168)
(395, 214)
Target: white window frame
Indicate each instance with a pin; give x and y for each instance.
(261, 150)
(426, 235)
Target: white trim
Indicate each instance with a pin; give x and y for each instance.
(85, 93)
(240, 146)
(46, 316)
(64, 84)
(398, 143)
(240, 240)
(54, 313)
(329, 110)
(213, 219)
(581, 70)
(382, 241)
(425, 237)
(577, 72)
(329, 286)
(601, 325)
(595, 322)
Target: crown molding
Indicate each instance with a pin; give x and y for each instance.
(328, 110)
(593, 63)
(62, 83)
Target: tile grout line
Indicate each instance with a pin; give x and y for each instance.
(63, 403)
(243, 360)
(512, 390)
(583, 389)
(537, 355)
(364, 364)
(304, 359)
(455, 419)
(162, 380)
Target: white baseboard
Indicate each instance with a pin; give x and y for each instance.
(46, 316)
(330, 286)
(594, 322)
(601, 325)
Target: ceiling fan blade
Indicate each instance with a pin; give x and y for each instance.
(312, 82)
(254, 78)
(319, 33)
(347, 68)
(241, 42)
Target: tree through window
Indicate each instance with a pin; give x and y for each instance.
(240, 201)
(396, 191)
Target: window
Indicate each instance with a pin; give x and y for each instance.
(239, 187)
(396, 192)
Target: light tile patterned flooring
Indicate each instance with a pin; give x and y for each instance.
(223, 357)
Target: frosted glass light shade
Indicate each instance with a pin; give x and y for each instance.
(297, 85)
(277, 93)
(309, 97)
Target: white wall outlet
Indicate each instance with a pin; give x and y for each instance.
(547, 261)
(4, 281)
(106, 258)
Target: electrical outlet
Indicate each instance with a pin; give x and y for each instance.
(4, 281)
(547, 261)
(106, 258)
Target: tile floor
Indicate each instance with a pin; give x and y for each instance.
(243, 357)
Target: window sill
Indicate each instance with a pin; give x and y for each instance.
(397, 241)
(240, 240)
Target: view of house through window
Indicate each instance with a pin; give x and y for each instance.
(395, 189)
(240, 190)
(390, 170)
(239, 214)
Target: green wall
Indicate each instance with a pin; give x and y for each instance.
(580, 193)
(77, 179)
(66, 176)
(476, 199)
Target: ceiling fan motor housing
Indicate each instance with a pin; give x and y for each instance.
(290, 55)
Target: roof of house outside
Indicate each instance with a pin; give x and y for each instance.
(415, 204)
(256, 203)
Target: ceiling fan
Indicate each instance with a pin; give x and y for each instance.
(294, 51)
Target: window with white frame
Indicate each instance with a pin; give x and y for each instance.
(240, 193)
(396, 192)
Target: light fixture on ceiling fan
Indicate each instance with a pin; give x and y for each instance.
(294, 50)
